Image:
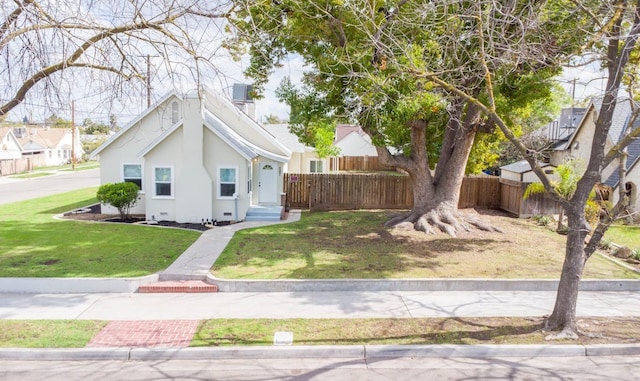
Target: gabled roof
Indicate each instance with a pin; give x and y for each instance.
(160, 138)
(282, 134)
(36, 138)
(343, 130)
(633, 151)
(238, 143)
(135, 121)
(521, 166)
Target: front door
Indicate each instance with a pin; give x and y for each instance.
(268, 183)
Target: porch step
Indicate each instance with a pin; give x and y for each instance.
(264, 213)
(178, 286)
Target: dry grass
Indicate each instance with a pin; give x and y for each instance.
(355, 244)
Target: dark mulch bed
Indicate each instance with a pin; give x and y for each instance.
(92, 213)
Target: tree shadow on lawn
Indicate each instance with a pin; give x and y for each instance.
(341, 252)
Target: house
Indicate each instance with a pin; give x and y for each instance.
(353, 141)
(54, 145)
(572, 136)
(521, 171)
(579, 145)
(304, 159)
(197, 157)
(10, 147)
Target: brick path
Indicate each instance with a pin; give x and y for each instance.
(146, 333)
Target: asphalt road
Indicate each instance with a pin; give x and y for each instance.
(397, 369)
(12, 190)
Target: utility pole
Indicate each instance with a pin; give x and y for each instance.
(73, 134)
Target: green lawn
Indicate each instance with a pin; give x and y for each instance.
(48, 333)
(34, 244)
(355, 244)
(624, 235)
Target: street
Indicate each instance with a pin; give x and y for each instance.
(12, 190)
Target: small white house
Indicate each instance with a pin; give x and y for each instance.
(55, 145)
(521, 171)
(10, 147)
(196, 157)
(352, 141)
(304, 159)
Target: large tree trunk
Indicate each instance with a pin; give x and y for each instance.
(563, 317)
(436, 194)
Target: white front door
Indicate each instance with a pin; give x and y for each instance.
(267, 184)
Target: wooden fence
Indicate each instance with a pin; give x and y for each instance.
(376, 191)
(359, 163)
(25, 164)
(511, 200)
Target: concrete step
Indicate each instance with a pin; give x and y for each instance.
(178, 286)
(264, 213)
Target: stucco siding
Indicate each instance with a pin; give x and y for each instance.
(167, 154)
(355, 144)
(220, 155)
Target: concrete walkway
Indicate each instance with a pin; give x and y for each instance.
(165, 319)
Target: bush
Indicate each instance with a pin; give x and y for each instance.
(119, 195)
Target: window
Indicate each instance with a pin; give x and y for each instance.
(132, 173)
(163, 181)
(315, 166)
(227, 182)
(249, 178)
(174, 112)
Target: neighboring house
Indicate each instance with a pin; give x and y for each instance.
(352, 141)
(572, 136)
(579, 146)
(10, 147)
(196, 157)
(53, 144)
(521, 171)
(304, 159)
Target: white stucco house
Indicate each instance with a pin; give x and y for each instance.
(196, 157)
(10, 147)
(304, 159)
(352, 141)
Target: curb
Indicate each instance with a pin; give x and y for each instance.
(320, 351)
(436, 284)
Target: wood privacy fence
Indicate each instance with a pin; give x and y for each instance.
(537, 204)
(25, 164)
(359, 163)
(376, 191)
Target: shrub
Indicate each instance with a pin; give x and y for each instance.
(635, 254)
(119, 195)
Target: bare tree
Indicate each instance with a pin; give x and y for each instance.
(614, 38)
(52, 47)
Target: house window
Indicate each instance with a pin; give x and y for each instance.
(228, 179)
(59, 154)
(65, 153)
(132, 173)
(50, 154)
(249, 178)
(163, 181)
(315, 166)
(174, 113)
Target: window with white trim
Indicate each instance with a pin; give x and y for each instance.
(227, 184)
(132, 173)
(163, 179)
(316, 166)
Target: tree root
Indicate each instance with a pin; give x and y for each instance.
(566, 334)
(451, 222)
